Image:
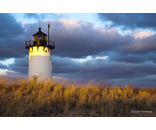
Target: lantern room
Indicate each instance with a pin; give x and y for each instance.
(39, 38)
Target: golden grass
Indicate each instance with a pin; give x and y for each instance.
(51, 98)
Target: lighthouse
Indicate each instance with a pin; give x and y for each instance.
(40, 63)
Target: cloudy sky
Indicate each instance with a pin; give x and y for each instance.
(118, 48)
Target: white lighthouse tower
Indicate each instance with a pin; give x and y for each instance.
(40, 63)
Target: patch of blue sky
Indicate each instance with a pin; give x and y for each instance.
(20, 18)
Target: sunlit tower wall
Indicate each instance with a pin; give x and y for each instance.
(40, 63)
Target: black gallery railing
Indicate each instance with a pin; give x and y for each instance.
(31, 43)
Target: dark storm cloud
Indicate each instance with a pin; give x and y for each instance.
(151, 57)
(65, 65)
(9, 27)
(102, 69)
(20, 65)
(130, 20)
(144, 45)
(133, 58)
(11, 33)
(129, 58)
(12, 47)
(22, 62)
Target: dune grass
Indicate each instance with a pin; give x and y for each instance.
(21, 98)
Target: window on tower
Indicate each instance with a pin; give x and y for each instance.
(42, 37)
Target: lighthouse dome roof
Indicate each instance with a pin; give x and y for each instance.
(39, 32)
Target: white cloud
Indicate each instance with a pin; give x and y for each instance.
(88, 58)
(142, 34)
(81, 60)
(7, 62)
(109, 31)
(104, 57)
